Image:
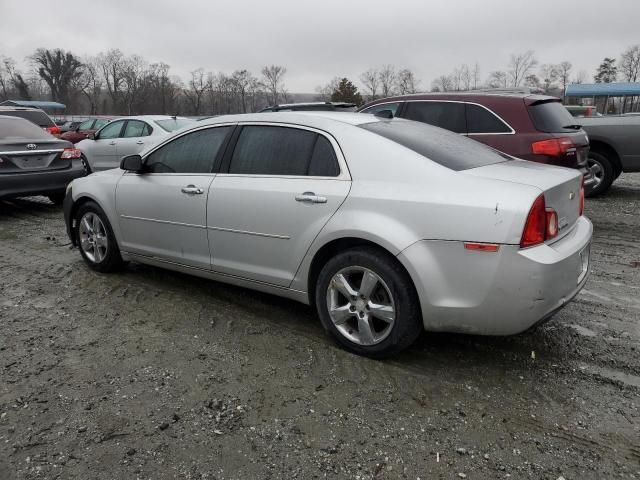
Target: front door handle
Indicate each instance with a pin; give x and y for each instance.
(192, 190)
(112, 143)
(140, 142)
(310, 197)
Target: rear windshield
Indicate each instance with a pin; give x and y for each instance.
(39, 118)
(446, 148)
(11, 129)
(551, 117)
(172, 124)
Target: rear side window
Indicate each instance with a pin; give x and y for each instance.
(447, 115)
(100, 122)
(481, 120)
(194, 152)
(136, 128)
(39, 118)
(265, 150)
(111, 131)
(445, 148)
(393, 107)
(551, 117)
(85, 125)
(20, 129)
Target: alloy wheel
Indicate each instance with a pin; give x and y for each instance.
(597, 170)
(93, 237)
(360, 305)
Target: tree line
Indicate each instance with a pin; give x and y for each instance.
(114, 83)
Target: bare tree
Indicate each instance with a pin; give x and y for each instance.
(195, 91)
(272, 75)
(387, 77)
(325, 91)
(581, 77)
(465, 77)
(549, 74)
(520, 66)
(135, 76)
(89, 83)
(629, 64)
(442, 84)
(564, 75)
(475, 75)
(406, 82)
(7, 65)
(371, 83)
(242, 80)
(497, 79)
(59, 69)
(112, 64)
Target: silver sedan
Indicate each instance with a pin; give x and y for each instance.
(386, 226)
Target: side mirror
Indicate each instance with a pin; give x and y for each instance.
(91, 136)
(131, 163)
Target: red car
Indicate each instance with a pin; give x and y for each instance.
(83, 130)
(531, 127)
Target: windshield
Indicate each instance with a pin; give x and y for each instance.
(443, 147)
(172, 124)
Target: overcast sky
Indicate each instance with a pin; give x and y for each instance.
(318, 40)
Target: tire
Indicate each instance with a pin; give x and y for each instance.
(346, 315)
(85, 164)
(603, 170)
(56, 198)
(95, 239)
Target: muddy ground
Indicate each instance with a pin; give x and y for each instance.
(150, 374)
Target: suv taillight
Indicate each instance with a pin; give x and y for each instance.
(70, 154)
(53, 130)
(541, 224)
(554, 147)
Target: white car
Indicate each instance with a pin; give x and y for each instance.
(386, 226)
(126, 136)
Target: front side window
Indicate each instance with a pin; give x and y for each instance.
(111, 131)
(194, 152)
(393, 107)
(447, 115)
(86, 125)
(266, 150)
(136, 128)
(481, 120)
(100, 122)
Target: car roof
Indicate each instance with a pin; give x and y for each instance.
(7, 108)
(318, 119)
(147, 117)
(465, 95)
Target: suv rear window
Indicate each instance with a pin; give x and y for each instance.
(445, 148)
(551, 117)
(11, 129)
(38, 117)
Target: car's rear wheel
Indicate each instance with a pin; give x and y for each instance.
(603, 172)
(96, 240)
(367, 301)
(85, 164)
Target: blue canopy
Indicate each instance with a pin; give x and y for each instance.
(603, 90)
(34, 104)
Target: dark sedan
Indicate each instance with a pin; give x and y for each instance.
(33, 162)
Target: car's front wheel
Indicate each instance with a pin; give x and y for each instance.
(367, 301)
(96, 240)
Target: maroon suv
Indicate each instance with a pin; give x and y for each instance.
(531, 127)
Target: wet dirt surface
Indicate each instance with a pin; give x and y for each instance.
(150, 374)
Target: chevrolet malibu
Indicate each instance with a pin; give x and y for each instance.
(385, 226)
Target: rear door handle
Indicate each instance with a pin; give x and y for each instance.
(140, 142)
(310, 197)
(112, 143)
(192, 190)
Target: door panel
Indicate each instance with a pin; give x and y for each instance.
(103, 152)
(259, 230)
(135, 137)
(159, 219)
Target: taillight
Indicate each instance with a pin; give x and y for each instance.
(582, 197)
(554, 147)
(70, 154)
(541, 224)
(53, 130)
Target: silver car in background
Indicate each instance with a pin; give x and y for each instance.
(386, 226)
(126, 136)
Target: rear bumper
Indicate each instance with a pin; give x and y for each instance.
(39, 183)
(500, 293)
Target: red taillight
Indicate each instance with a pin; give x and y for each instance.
(541, 224)
(582, 197)
(70, 153)
(554, 147)
(53, 130)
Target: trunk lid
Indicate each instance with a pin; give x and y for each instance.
(24, 156)
(561, 186)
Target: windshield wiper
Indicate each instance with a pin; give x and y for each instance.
(573, 127)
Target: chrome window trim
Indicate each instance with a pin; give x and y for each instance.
(399, 102)
(342, 163)
(31, 152)
(166, 222)
(512, 132)
(247, 232)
